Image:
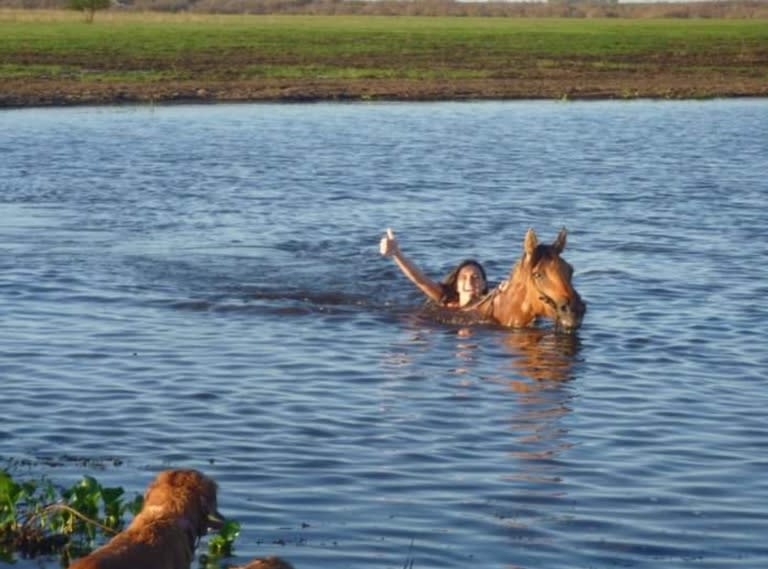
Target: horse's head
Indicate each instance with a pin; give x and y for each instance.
(547, 278)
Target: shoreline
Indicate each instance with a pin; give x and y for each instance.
(41, 94)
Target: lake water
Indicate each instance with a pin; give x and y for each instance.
(200, 286)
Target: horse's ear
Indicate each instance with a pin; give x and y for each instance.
(531, 241)
(559, 243)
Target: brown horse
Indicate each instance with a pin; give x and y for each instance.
(539, 285)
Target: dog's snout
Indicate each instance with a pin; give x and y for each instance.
(215, 520)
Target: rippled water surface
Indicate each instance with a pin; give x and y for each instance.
(201, 287)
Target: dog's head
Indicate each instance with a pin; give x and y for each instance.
(268, 563)
(187, 495)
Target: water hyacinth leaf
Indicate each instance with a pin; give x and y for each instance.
(135, 505)
(113, 506)
(10, 492)
(222, 544)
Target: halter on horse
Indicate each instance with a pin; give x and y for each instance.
(539, 285)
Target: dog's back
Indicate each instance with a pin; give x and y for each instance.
(160, 546)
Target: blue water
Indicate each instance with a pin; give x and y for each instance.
(200, 286)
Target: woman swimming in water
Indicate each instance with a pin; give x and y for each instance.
(463, 286)
(539, 285)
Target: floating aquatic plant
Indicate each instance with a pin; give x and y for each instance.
(223, 543)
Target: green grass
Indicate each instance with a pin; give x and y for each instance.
(154, 47)
(329, 35)
(357, 34)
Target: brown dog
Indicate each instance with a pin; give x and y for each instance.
(179, 507)
(268, 563)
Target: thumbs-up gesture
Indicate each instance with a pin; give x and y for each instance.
(388, 245)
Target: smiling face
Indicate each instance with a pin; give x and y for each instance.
(470, 284)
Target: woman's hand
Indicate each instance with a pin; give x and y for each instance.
(388, 245)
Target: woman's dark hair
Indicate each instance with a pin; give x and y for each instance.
(448, 284)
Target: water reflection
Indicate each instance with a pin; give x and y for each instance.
(466, 351)
(541, 356)
(542, 361)
(537, 365)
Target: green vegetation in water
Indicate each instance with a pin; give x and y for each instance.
(222, 544)
(37, 518)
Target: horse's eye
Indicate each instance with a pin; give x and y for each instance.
(538, 275)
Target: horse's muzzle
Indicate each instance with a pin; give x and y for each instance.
(570, 314)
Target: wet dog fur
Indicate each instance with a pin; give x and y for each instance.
(179, 508)
(268, 563)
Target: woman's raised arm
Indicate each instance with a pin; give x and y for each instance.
(389, 247)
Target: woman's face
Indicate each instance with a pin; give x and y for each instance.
(469, 284)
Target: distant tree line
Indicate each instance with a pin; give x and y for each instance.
(552, 8)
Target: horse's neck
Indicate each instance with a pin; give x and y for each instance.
(508, 304)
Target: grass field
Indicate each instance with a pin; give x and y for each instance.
(165, 56)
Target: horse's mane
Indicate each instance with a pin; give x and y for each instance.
(541, 252)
